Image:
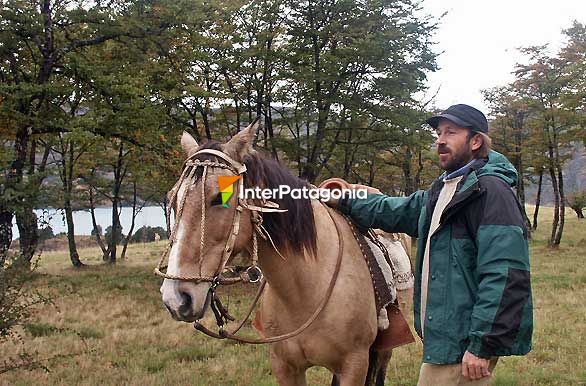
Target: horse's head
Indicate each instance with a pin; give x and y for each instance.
(202, 220)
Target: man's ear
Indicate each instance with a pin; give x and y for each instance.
(476, 142)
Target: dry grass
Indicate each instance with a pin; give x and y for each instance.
(113, 318)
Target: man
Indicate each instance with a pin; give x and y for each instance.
(472, 300)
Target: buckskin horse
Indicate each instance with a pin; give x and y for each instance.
(318, 308)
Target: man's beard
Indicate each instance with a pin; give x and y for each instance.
(459, 159)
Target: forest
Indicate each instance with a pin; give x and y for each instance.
(95, 95)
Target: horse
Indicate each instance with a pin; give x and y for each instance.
(306, 252)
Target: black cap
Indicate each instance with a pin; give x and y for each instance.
(464, 116)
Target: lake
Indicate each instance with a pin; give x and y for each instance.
(150, 216)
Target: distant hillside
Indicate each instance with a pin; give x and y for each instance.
(574, 178)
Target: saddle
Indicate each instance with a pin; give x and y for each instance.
(393, 329)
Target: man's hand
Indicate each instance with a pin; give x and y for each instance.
(338, 183)
(474, 367)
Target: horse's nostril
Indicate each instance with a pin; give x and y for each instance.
(186, 300)
(185, 308)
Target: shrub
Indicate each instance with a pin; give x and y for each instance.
(46, 233)
(147, 234)
(16, 306)
(108, 235)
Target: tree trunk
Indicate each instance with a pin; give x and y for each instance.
(235, 98)
(206, 124)
(118, 175)
(579, 212)
(408, 187)
(562, 208)
(556, 209)
(73, 255)
(419, 166)
(518, 160)
(114, 239)
(311, 169)
(26, 219)
(549, 126)
(538, 199)
(5, 234)
(372, 170)
(165, 207)
(105, 252)
(134, 213)
(67, 161)
(347, 155)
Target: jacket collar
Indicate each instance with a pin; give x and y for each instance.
(467, 189)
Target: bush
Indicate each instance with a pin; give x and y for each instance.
(147, 234)
(108, 235)
(46, 233)
(15, 301)
(577, 201)
(97, 231)
(16, 306)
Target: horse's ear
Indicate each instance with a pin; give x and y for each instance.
(188, 143)
(241, 144)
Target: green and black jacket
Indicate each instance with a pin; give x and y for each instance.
(479, 297)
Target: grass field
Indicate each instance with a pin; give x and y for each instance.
(112, 321)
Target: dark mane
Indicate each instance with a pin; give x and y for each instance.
(293, 230)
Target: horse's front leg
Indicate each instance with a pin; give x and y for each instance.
(354, 370)
(286, 373)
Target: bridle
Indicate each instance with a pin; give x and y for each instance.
(253, 273)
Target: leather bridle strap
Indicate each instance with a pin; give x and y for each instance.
(268, 207)
(223, 334)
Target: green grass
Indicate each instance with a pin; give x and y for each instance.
(113, 322)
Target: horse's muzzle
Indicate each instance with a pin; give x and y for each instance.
(186, 302)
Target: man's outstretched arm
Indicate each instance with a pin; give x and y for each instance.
(391, 214)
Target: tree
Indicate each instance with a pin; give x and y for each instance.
(39, 38)
(345, 60)
(510, 133)
(112, 237)
(577, 201)
(539, 118)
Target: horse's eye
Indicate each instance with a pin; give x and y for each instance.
(217, 200)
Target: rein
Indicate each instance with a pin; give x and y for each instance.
(253, 273)
(223, 334)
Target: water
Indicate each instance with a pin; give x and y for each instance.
(152, 216)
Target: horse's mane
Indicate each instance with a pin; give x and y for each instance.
(293, 230)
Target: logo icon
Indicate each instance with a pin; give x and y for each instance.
(227, 188)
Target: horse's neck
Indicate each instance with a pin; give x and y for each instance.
(302, 278)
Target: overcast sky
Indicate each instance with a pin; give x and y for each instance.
(479, 41)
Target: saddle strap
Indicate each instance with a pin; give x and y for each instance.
(382, 298)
